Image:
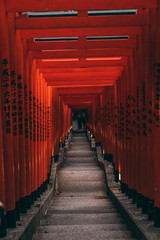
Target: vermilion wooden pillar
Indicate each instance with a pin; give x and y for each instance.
(38, 136)
(138, 157)
(147, 167)
(42, 131)
(150, 94)
(30, 70)
(49, 131)
(14, 102)
(5, 85)
(45, 136)
(21, 130)
(157, 122)
(26, 122)
(2, 178)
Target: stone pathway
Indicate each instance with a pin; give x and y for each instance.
(81, 208)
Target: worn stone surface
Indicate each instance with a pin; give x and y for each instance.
(81, 208)
(143, 228)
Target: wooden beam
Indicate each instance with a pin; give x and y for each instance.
(59, 5)
(85, 75)
(78, 64)
(79, 70)
(82, 81)
(87, 53)
(80, 91)
(37, 46)
(67, 85)
(77, 32)
(22, 22)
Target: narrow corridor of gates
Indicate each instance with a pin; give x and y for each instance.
(81, 208)
(96, 58)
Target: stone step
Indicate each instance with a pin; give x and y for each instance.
(81, 219)
(78, 153)
(81, 208)
(71, 202)
(81, 186)
(80, 160)
(79, 144)
(80, 147)
(83, 194)
(77, 175)
(84, 235)
(81, 168)
(82, 228)
(83, 164)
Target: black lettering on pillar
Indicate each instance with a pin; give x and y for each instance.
(138, 119)
(38, 117)
(34, 119)
(104, 116)
(144, 111)
(116, 120)
(20, 104)
(26, 112)
(111, 109)
(41, 122)
(14, 103)
(128, 118)
(133, 116)
(45, 123)
(52, 113)
(121, 121)
(6, 95)
(48, 122)
(157, 95)
(30, 114)
(150, 119)
(43, 110)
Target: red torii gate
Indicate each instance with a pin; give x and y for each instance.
(116, 80)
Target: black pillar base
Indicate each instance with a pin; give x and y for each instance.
(98, 144)
(41, 188)
(56, 158)
(18, 211)
(32, 198)
(130, 193)
(29, 201)
(150, 209)
(105, 156)
(110, 158)
(116, 172)
(35, 195)
(38, 192)
(11, 218)
(139, 200)
(23, 205)
(127, 190)
(156, 217)
(144, 205)
(48, 177)
(134, 196)
(3, 227)
(46, 184)
(123, 187)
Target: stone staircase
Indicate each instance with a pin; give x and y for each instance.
(81, 208)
